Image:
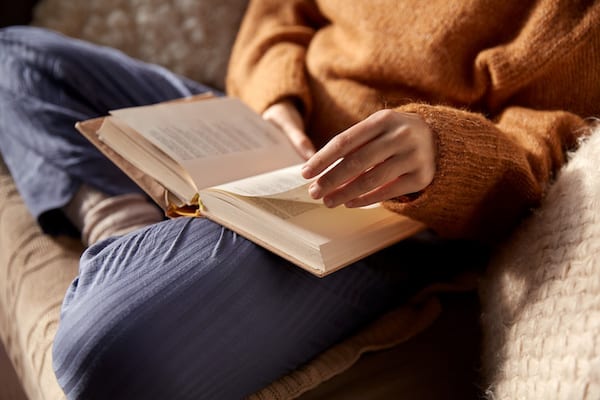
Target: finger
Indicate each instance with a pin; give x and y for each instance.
(359, 161)
(345, 143)
(300, 141)
(379, 175)
(290, 122)
(400, 186)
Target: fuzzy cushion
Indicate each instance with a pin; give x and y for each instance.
(541, 298)
(190, 37)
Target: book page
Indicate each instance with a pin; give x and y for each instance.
(284, 209)
(147, 158)
(284, 184)
(216, 140)
(312, 236)
(317, 223)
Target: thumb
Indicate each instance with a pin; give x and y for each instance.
(300, 141)
(285, 116)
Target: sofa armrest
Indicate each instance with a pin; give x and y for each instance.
(35, 271)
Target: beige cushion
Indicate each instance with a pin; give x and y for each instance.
(190, 37)
(10, 385)
(35, 271)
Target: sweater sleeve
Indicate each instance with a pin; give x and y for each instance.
(495, 168)
(489, 173)
(267, 63)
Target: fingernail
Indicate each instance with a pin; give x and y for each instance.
(306, 171)
(328, 202)
(314, 190)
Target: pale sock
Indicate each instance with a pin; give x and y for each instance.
(84, 200)
(99, 216)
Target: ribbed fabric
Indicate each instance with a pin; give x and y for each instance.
(392, 329)
(99, 216)
(34, 278)
(186, 309)
(386, 332)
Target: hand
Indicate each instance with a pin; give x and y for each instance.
(388, 154)
(285, 115)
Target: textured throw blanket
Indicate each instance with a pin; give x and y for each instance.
(541, 298)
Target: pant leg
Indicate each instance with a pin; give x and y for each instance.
(186, 309)
(47, 83)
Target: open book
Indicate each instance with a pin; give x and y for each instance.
(215, 157)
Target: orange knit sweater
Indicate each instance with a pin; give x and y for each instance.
(506, 87)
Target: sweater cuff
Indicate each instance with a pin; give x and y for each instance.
(467, 154)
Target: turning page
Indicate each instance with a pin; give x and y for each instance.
(283, 184)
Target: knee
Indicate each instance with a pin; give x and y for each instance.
(18, 41)
(104, 356)
(76, 349)
(30, 48)
(25, 52)
(139, 312)
(101, 349)
(109, 340)
(89, 348)
(26, 36)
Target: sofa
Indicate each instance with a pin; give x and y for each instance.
(528, 331)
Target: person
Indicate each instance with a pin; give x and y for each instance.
(457, 115)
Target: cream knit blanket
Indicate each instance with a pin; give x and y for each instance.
(541, 298)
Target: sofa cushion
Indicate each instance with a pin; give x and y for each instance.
(192, 38)
(35, 271)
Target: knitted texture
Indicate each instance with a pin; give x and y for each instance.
(99, 216)
(541, 297)
(494, 81)
(35, 271)
(192, 38)
(117, 216)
